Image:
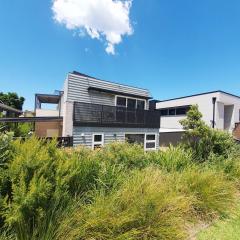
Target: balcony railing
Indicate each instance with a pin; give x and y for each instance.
(86, 114)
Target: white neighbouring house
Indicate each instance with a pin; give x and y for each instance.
(219, 109)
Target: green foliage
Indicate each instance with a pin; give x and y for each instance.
(118, 192)
(202, 139)
(171, 160)
(212, 194)
(145, 207)
(12, 99)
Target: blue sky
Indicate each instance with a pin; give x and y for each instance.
(177, 48)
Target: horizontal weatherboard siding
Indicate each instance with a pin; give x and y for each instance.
(110, 134)
(78, 90)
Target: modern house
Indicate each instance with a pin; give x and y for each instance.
(96, 112)
(220, 110)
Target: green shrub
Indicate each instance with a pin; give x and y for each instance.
(173, 159)
(212, 194)
(145, 207)
(118, 192)
(129, 156)
(202, 139)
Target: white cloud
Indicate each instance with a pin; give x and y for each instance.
(108, 19)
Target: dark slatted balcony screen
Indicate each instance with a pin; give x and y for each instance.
(86, 114)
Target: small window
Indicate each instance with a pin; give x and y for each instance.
(150, 142)
(181, 111)
(97, 141)
(151, 137)
(121, 101)
(140, 104)
(131, 103)
(172, 111)
(164, 112)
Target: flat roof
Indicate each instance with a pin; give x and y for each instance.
(199, 94)
(48, 98)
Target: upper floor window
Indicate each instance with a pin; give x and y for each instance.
(121, 101)
(130, 103)
(174, 111)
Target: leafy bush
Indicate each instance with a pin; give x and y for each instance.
(202, 139)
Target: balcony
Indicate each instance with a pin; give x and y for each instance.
(95, 115)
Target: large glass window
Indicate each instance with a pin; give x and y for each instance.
(140, 104)
(131, 103)
(121, 102)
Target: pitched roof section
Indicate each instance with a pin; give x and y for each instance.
(199, 94)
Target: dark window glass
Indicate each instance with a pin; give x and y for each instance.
(151, 137)
(135, 138)
(97, 138)
(140, 104)
(150, 145)
(131, 103)
(164, 112)
(181, 111)
(121, 101)
(172, 111)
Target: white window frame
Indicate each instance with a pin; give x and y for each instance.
(140, 99)
(145, 139)
(97, 143)
(150, 141)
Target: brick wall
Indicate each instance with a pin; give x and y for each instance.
(236, 131)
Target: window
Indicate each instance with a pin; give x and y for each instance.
(164, 112)
(97, 141)
(174, 111)
(140, 104)
(150, 142)
(131, 103)
(121, 101)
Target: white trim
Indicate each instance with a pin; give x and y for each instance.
(140, 99)
(150, 141)
(97, 143)
(145, 139)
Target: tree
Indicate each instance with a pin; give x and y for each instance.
(12, 99)
(202, 139)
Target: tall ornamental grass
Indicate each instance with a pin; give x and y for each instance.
(118, 192)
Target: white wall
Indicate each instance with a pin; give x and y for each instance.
(47, 113)
(205, 105)
(67, 119)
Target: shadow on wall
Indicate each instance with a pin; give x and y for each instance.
(170, 138)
